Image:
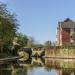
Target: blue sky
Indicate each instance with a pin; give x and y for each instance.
(39, 18)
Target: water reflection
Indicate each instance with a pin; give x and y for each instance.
(5, 70)
(38, 66)
(62, 66)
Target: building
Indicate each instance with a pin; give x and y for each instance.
(65, 31)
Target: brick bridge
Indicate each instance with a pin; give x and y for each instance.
(34, 51)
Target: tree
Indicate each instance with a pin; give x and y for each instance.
(39, 46)
(47, 44)
(8, 27)
(31, 42)
(22, 39)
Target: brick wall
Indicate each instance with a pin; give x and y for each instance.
(65, 35)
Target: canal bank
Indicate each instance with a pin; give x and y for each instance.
(65, 53)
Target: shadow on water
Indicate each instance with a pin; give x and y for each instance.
(38, 66)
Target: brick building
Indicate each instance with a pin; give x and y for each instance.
(65, 31)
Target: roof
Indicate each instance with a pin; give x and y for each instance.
(67, 23)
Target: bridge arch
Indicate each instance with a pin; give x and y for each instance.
(27, 50)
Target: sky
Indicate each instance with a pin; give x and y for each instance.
(39, 18)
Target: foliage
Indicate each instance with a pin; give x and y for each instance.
(22, 40)
(47, 44)
(8, 27)
(31, 42)
(39, 46)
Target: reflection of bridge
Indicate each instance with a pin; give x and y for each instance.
(61, 66)
(33, 61)
(37, 61)
(60, 63)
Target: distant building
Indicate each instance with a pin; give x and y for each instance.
(65, 32)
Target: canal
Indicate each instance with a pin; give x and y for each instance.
(39, 66)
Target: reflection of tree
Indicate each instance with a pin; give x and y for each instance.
(5, 70)
(48, 68)
(62, 71)
(66, 67)
(20, 71)
(68, 71)
(11, 70)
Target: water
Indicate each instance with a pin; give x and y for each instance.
(40, 66)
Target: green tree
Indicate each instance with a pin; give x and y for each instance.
(22, 39)
(8, 27)
(31, 42)
(38, 45)
(47, 44)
